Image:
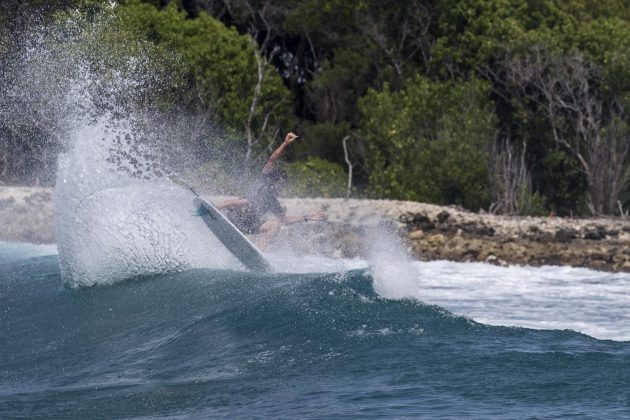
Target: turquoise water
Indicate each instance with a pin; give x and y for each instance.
(221, 343)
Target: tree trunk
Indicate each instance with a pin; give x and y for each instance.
(350, 165)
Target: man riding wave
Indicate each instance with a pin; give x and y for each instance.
(260, 212)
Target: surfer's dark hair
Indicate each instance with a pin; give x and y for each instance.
(276, 174)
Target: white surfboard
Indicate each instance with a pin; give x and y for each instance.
(233, 239)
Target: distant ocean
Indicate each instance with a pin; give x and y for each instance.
(446, 340)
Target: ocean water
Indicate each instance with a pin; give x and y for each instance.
(448, 341)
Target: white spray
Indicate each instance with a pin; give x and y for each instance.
(117, 215)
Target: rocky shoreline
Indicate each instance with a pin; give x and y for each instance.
(435, 232)
(429, 232)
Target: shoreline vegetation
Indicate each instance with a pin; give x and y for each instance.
(428, 232)
(512, 106)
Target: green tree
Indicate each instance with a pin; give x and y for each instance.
(219, 65)
(316, 178)
(429, 141)
(575, 78)
(471, 32)
(606, 41)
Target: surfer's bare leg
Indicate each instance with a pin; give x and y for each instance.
(268, 231)
(235, 202)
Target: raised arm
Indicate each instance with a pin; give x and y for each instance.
(290, 138)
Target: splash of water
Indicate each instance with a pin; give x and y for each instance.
(113, 226)
(392, 269)
(117, 213)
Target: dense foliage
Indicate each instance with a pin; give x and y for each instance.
(428, 141)
(514, 106)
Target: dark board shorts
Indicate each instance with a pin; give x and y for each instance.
(245, 219)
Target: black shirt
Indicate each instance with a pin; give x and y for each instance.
(261, 198)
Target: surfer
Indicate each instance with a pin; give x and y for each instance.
(260, 212)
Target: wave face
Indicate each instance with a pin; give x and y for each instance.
(214, 343)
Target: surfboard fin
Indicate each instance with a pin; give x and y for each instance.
(199, 212)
